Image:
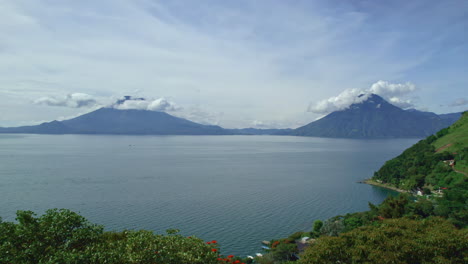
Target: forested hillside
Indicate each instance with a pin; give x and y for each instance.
(439, 161)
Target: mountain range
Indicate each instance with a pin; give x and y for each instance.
(373, 118)
(376, 118)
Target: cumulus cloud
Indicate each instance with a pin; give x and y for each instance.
(459, 102)
(74, 100)
(392, 92)
(402, 103)
(386, 89)
(160, 104)
(340, 102)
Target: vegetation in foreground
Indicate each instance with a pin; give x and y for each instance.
(400, 240)
(62, 236)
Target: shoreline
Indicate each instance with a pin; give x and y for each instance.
(383, 185)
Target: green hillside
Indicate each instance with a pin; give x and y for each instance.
(456, 141)
(439, 161)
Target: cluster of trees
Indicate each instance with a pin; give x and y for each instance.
(62, 236)
(408, 230)
(400, 240)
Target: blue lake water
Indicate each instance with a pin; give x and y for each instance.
(238, 190)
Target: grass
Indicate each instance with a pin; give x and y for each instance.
(457, 136)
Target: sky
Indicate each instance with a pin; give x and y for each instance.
(233, 63)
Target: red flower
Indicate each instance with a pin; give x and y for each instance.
(214, 249)
(237, 261)
(214, 242)
(230, 256)
(208, 243)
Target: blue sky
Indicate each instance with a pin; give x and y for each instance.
(231, 63)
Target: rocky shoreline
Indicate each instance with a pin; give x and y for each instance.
(383, 185)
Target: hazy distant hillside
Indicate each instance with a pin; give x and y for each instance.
(128, 122)
(258, 131)
(376, 118)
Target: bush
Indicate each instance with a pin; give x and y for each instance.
(62, 236)
(393, 241)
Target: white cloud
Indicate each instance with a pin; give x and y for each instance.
(402, 103)
(160, 104)
(340, 102)
(75, 100)
(227, 62)
(459, 102)
(391, 92)
(259, 124)
(200, 115)
(133, 104)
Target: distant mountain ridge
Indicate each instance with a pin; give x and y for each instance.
(113, 121)
(376, 118)
(122, 122)
(373, 118)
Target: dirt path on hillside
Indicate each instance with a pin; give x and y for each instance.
(443, 147)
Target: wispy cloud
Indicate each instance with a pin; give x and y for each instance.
(226, 56)
(74, 100)
(459, 102)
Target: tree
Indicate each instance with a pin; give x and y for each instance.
(400, 240)
(62, 236)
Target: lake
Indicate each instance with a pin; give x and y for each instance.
(238, 190)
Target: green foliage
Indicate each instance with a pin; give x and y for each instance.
(333, 226)
(457, 136)
(453, 205)
(421, 208)
(318, 224)
(420, 165)
(283, 250)
(62, 236)
(394, 207)
(47, 239)
(296, 236)
(393, 241)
